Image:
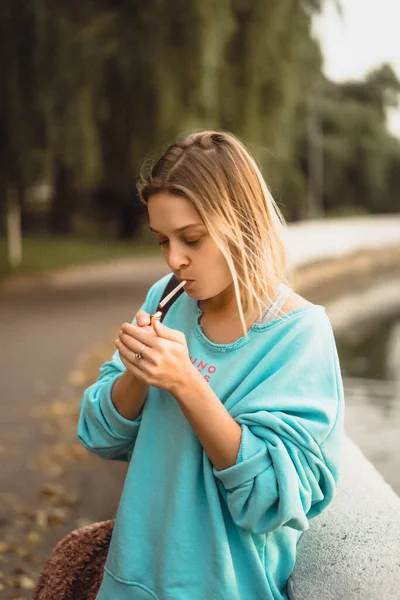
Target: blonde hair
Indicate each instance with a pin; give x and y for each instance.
(216, 172)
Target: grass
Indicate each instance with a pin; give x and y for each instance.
(44, 253)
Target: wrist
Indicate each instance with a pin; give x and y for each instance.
(188, 378)
(128, 377)
(128, 395)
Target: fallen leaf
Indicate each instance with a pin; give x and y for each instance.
(33, 537)
(26, 583)
(76, 377)
(41, 518)
(53, 490)
(57, 516)
(4, 547)
(22, 553)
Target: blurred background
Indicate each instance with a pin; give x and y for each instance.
(93, 91)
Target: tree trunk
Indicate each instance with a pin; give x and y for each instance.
(315, 160)
(63, 205)
(14, 237)
(129, 220)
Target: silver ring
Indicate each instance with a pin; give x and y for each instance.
(138, 355)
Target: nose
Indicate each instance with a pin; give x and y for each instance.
(177, 259)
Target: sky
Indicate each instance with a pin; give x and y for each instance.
(362, 38)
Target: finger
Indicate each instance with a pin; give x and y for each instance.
(126, 363)
(134, 370)
(127, 353)
(142, 318)
(167, 333)
(143, 335)
(132, 344)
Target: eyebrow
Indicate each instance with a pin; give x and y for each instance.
(180, 228)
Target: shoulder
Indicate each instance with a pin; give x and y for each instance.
(293, 302)
(304, 324)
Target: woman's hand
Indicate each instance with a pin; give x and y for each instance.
(165, 361)
(124, 345)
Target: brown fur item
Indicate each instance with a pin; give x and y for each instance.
(74, 570)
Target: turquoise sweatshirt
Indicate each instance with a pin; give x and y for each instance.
(187, 531)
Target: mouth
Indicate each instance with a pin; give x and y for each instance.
(188, 283)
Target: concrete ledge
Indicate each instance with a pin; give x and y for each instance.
(352, 550)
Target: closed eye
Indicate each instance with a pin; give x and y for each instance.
(188, 243)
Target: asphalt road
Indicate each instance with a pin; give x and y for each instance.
(42, 331)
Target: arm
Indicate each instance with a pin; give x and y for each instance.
(109, 429)
(217, 431)
(128, 395)
(291, 426)
(111, 408)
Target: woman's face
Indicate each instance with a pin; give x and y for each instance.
(190, 252)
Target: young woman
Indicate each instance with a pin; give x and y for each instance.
(231, 410)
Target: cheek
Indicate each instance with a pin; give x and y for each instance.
(217, 267)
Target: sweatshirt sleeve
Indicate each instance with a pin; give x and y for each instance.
(101, 428)
(286, 470)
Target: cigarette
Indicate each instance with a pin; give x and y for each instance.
(158, 314)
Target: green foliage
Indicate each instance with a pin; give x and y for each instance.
(91, 89)
(359, 153)
(43, 254)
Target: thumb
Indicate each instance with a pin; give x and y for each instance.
(166, 332)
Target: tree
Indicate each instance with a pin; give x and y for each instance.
(104, 85)
(72, 43)
(19, 122)
(358, 152)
